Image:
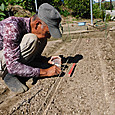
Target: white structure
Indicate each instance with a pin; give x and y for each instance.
(111, 13)
(96, 1)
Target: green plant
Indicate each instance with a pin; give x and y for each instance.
(108, 17)
(3, 8)
(106, 6)
(80, 8)
(74, 19)
(97, 13)
(2, 11)
(28, 4)
(5, 12)
(64, 13)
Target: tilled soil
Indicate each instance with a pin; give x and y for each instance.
(89, 91)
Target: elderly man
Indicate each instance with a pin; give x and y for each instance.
(23, 39)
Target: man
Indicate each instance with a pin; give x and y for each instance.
(22, 40)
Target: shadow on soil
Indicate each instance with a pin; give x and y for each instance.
(42, 62)
(70, 60)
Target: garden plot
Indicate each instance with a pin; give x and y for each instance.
(90, 89)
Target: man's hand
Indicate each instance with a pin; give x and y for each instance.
(54, 70)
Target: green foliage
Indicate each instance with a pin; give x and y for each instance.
(80, 8)
(64, 13)
(2, 11)
(106, 6)
(99, 13)
(26, 4)
(96, 11)
(108, 17)
(2, 7)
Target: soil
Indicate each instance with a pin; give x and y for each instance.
(90, 90)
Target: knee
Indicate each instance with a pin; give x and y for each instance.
(28, 46)
(29, 38)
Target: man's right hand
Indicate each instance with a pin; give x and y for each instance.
(54, 70)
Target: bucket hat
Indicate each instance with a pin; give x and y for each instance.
(51, 17)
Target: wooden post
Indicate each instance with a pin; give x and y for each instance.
(98, 2)
(111, 5)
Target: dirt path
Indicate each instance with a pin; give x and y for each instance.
(89, 91)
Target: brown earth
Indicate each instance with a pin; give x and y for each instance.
(89, 91)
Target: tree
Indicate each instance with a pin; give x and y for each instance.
(81, 8)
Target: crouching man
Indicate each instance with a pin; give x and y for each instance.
(21, 40)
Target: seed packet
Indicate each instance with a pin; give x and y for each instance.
(57, 62)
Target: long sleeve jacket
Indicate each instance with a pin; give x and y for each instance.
(12, 31)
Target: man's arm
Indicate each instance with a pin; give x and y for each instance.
(12, 53)
(54, 70)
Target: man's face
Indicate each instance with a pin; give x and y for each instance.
(40, 29)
